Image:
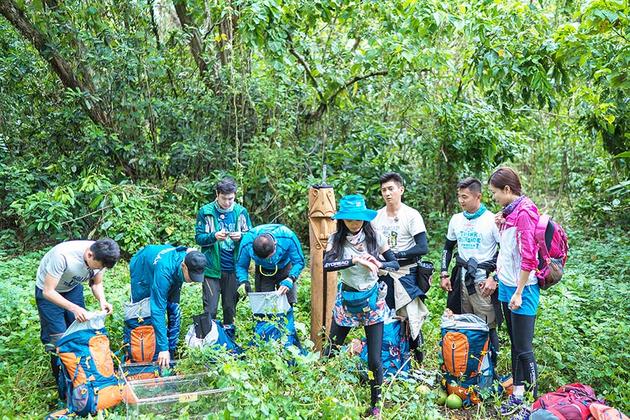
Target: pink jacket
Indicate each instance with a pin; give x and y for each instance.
(518, 249)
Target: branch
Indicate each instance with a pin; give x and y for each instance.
(100, 209)
(306, 67)
(314, 116)
(356, 79)
(60, 66)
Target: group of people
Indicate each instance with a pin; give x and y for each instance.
(376, 252)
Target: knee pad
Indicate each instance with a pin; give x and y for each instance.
(522, 355)
(51, 347)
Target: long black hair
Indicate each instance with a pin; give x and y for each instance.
(338, 238)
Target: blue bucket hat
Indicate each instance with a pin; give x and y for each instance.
(352, 207)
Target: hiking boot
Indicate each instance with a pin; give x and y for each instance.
(58, 415)
(230, 331)
(522, 414)
(511, 406)
(419, 356)
(374, 412)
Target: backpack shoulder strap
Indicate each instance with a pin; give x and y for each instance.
(539, 234)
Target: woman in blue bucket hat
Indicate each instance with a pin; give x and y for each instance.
(355, 248)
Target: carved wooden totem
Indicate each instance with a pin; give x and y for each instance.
(321, 206)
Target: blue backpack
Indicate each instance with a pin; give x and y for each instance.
(466, 362)
(275, 327)
(274, 318)
(395, 350)
(88, 377)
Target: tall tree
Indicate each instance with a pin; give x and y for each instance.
(59, 64)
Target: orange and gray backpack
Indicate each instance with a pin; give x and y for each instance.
(139, 334)
(88, 375)
(466, 363)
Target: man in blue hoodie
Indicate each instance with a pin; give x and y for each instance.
(278, 256)
(158, 272)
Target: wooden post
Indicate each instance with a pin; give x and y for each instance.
(321, 206)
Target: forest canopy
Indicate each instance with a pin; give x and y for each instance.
(117, 117)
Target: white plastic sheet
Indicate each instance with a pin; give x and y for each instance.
(141, 309)
(269, 303)
(464, 321)
(96, 320)
(194, 342)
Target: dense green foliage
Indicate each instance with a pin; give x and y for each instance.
(167, 96)
(581, 335)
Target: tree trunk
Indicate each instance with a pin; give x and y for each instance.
(196, 48)
(60, 66)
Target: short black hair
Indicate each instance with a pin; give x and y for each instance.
(264, 245)
(473, 184)
(391, 176)
(106, 251)
(226, 186)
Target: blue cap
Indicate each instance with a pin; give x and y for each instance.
(352, 207)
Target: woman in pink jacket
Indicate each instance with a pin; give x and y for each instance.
(518, 287)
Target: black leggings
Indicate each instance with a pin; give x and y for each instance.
(416, 347)
(521, 330)
(494, 341)
(374, 335)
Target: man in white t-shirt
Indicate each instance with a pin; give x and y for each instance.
(472, 287)
(59, 289)
(407, 238)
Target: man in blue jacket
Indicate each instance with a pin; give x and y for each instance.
(278, 258)
(158, 272)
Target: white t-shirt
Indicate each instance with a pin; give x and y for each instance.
(401, 229)
(509, 261)
(476, 238)
(65, 262)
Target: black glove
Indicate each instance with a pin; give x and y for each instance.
(244, 288)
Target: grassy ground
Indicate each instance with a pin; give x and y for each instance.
(582, 335)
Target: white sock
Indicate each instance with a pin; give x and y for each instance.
(519, 391)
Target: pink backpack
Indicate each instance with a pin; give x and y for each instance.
(569, 402)
(553, 250)
(604, 412)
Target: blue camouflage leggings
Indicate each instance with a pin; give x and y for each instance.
(174, 314)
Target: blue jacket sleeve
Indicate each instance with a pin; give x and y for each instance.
(159, 294)
(203, 236)
(296, 256)
(242, 264)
